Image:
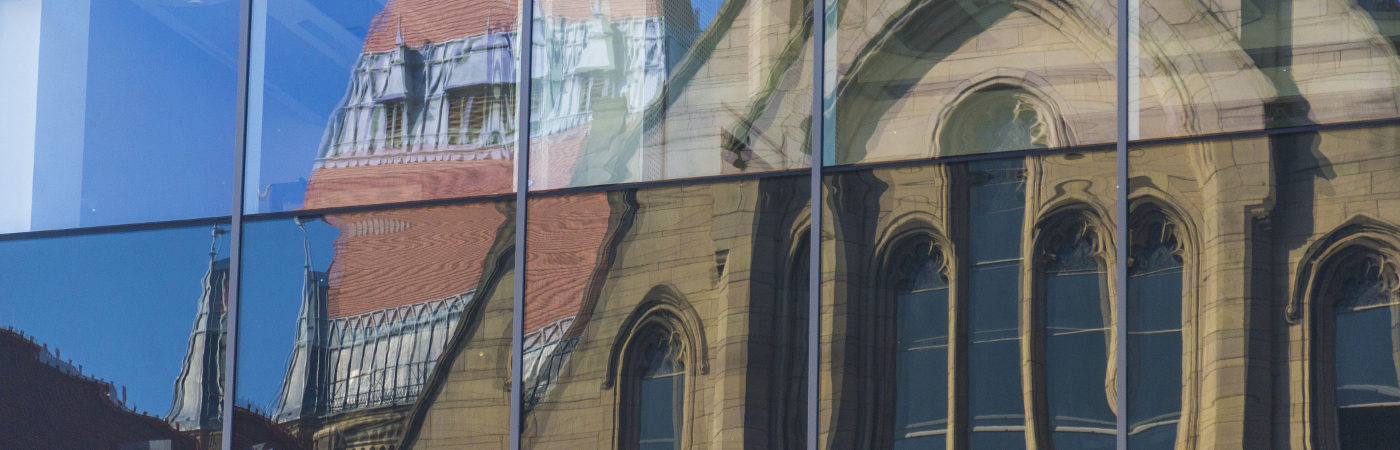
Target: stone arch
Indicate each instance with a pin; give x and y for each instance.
(662, 306)
(1068, 219)
(1044, 99)
(905, 234)
(1360, 237)
(1142, 211)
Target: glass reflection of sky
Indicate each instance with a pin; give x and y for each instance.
(125, 90)
(301, 69)
(120, 304)
(273, 261)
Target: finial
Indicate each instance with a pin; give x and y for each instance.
(305, 241)
(398, 34)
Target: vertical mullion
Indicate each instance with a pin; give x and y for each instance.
(525, 40)
(1120, 285)
(236, 226)
(814, 240)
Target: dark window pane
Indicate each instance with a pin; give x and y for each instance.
(994, 383)
(1160, 437)
(998, 440)
(1076, 340)
(921, 411)
(1368, 427)
(996, 202)
(1154, 353)
(658, 408)
(1365, 358)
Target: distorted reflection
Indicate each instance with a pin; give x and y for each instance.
(389, 322)
(368, 101)
(634, 90)
(131, 356)
(1077, 339)
(1290, 297)
(955, 340)
(667, 317)
(1206, 68)
(1155, 276)
(921, 364)
(969, 77)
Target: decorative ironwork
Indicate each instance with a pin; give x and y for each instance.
(378, 358)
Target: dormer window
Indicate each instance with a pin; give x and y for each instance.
(395, 117)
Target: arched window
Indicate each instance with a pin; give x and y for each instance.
(1365, 295)
(655, 390)
(787, 389)
(921, 348)
(996, 119)
(1076, 318)
(996, 207)
(1154, 332)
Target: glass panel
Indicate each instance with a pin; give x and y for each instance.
(636, 90)
(114, 340)
(931, 79)
(996, 202)
(921, 350)
(388, 327)
(722, 266)
(102, 98)
(660, 391)
(1367, 317)
(969, 385)
(1203, 68)
(1077, 317)
(1256, 217)
(1154, 330)
(367, 101)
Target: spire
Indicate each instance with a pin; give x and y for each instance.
(301, 392)
(199, 387)
(398, 34)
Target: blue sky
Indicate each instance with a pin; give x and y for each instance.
(311, 47)
(273, 263)
(122, 305)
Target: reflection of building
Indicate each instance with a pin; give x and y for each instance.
(63, 408)
(962, 303)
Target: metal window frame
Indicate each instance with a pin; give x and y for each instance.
(816, 172)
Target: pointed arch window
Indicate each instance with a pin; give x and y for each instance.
(921, 348)
(1365, 294)
(1077, 318)
(998, 118)
(655, 378)
(1154, 325)
(996, 202)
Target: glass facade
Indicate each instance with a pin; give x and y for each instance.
(666, 224)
